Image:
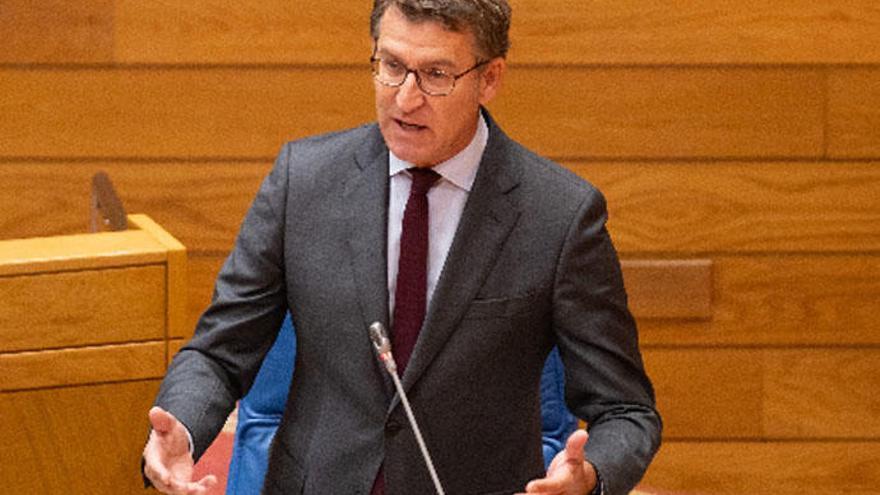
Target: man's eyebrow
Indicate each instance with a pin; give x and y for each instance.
(385, 53)
(440, 62)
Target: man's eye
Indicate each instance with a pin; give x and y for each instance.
(392, 65)
(435, 74)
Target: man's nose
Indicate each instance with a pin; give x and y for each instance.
(409, 96)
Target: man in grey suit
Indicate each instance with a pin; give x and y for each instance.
(480, 254)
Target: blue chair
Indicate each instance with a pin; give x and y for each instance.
(259, 413)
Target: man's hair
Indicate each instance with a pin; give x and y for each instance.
(488, 20)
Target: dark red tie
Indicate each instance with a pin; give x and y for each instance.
(411, 295)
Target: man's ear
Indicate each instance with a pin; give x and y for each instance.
(490, 79)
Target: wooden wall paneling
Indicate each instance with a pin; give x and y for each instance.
(219, 32)
(175, 112)
(778, 300)
(854, 113)
(82, 308)
(561, 112)
(836, 390)
(82, 365)
(201, 204)
(56, 32)
(76, 440)
(663, 289)
(708, 393)
(739, 207)
(543, 31)
(695, 32)
(818, 393)
(57, 202)
(766, 468)
(664, 113)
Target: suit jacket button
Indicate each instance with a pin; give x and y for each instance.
(393, 426)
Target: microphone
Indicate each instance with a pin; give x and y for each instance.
(383, 346)
(383, 349)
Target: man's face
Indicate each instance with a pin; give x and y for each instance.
(421, 129)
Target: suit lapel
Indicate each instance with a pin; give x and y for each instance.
(366, 198)
(486, 221)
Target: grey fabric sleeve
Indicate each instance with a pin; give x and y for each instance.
(606, 384)
(221, 361)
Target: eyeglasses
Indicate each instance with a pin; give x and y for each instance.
(433, 82)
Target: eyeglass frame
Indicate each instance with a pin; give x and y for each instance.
(415, 72)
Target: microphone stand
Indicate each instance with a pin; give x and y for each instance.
(383, 349)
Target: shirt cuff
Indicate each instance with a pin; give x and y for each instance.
(599, 489)
(189, 437)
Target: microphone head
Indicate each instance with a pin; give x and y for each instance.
(383, 347)
(380, 338)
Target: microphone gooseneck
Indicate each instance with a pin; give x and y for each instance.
(383, 349)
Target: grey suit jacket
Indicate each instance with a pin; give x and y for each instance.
(531, 266)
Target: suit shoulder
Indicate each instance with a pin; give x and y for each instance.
(551, 180)
(320, 160)
(330, 146)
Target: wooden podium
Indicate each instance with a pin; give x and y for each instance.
(87, 325)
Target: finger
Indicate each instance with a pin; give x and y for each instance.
(574, 446)
(177, 486)
(184, 487)
(549, 485)
(159, 480)
(170, 430)
(540, 493)
(154, 467)
(553, 482)
(561, 471)
(200, 487)
(208, 481)
(558, 460)
(161, 420)
(167, 485)
(168, 482)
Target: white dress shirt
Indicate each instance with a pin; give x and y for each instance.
(446, 202)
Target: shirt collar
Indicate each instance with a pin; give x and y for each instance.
(461, 169)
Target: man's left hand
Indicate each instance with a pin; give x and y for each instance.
(569, 473)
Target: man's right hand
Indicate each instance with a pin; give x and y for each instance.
(168, 463)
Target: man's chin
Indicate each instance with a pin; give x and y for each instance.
(412, 154)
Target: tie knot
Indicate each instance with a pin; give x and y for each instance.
(422, 179)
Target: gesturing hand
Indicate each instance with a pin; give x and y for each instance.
(569, 473)
(167, 461)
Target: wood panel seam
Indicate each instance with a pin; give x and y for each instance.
(92, 346)
(82, 270)
(84, 384)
